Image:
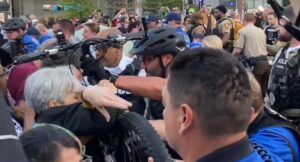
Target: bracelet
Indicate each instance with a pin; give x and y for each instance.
(113, 78)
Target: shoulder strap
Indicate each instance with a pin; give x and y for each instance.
(289, 143)
(226, 18)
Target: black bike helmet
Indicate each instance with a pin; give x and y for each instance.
(160, 41)
(14, 24)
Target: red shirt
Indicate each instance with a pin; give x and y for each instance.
(17, 78)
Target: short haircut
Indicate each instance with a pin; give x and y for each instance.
(44, 143)
(49, 84)
(216, 86)
(93, 27)
(222, 8)
(50, 22)
(249, 17)
(257, 98)
(66, 25)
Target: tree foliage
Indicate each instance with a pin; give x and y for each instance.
(153, 6)
(78, 8)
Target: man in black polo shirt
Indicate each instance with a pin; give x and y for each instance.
(207, 102)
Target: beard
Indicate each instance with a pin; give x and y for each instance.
(155, 73)
(218, 18)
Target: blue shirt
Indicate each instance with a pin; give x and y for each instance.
(30, 43)
(195, 44)
(241, 151)
(186, 37)
(272, 138)
(43, 38)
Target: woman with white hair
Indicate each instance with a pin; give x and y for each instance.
(58, 97)
(51, 87)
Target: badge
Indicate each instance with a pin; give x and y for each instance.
(226, 26)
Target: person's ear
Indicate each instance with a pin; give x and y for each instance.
(53, 103)
(253, 115)
(186, 118)
(167, 58)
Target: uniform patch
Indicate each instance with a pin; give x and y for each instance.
(227, 26)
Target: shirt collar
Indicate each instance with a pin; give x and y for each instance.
(231, 153)
(121, 67)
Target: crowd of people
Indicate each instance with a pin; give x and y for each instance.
(215, 85)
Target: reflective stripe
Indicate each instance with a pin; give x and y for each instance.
(5, 137)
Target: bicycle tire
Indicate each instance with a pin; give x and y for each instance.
(147, 142)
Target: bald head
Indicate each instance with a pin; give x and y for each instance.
(112, 31)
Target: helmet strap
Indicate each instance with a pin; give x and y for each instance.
(20, 33)
(163, 69)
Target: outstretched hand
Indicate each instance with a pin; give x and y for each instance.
(103, 96)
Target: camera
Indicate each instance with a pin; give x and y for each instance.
(61, 39)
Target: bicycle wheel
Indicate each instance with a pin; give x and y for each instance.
(138, 140)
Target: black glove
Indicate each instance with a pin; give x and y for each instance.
(94, 72)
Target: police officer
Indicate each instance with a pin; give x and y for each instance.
(197, 127)
(283, 90)
(112, 58)
(18, 41)
(225, 28)
(271, 32)
(252, 44)
(157, 53)
(270, 129)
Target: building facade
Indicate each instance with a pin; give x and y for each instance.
(25, 7)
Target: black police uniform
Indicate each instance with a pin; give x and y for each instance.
(284, 88)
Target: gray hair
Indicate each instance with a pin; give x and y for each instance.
(50, 84)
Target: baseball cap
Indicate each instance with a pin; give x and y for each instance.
(33, 31)
(200, 36)
(173, 16)
(151, 18)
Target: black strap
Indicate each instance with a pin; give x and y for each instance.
(163, 69)
(290, 145)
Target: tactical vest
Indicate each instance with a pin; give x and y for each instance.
(284, 91)
(229, 45)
